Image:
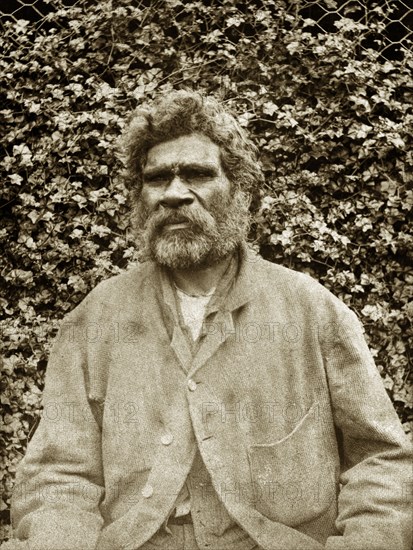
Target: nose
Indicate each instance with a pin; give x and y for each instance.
(176, 194)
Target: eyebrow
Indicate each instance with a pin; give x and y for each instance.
(167, 169)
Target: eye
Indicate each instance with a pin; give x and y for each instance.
(155, 179)
(198, 174)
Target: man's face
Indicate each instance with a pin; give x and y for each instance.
(187, 216)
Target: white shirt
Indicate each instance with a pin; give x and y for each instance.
(193, 310)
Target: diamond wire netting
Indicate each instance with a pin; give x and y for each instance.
(395, 18)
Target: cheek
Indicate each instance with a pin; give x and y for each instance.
(149, 198)
(223, 190)
(218, 195)
(213, 190)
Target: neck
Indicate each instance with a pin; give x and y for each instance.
(200, 281)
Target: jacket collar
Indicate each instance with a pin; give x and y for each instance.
(237, 287)
(243, 287)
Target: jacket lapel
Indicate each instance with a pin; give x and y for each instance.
(234, 291)
(236, 288)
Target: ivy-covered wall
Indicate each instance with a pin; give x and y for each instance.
(333, 122)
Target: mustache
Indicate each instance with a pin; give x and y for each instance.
(195, 216)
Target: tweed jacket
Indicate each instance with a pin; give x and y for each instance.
(282, 399)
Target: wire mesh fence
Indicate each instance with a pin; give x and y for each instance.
(392, 38)
(395, 21)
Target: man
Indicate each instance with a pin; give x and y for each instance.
(207, 398)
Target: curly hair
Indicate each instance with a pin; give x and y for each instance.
(183, 112)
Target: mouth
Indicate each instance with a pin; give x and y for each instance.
(178, 225)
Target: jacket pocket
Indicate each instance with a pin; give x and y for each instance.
(293, 479)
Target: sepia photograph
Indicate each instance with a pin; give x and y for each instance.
(206, 275)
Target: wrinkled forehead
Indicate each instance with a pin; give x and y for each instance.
(195, 149)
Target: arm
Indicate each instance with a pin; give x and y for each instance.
(373, 508)
(59, 483)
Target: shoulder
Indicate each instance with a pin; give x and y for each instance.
(130, 281)
(117, 293)
(308, 302)
(300, 290)
(287, 279)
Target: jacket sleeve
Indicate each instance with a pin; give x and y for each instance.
(59, 482)
(374, 512)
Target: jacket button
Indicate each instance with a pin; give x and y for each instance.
(147, 491)
(192, 385)
(167, 439)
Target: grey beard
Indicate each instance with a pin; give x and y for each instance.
(210, 237)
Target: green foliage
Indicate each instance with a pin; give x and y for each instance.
(333, 122)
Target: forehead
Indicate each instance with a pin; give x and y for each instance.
(193, 148)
